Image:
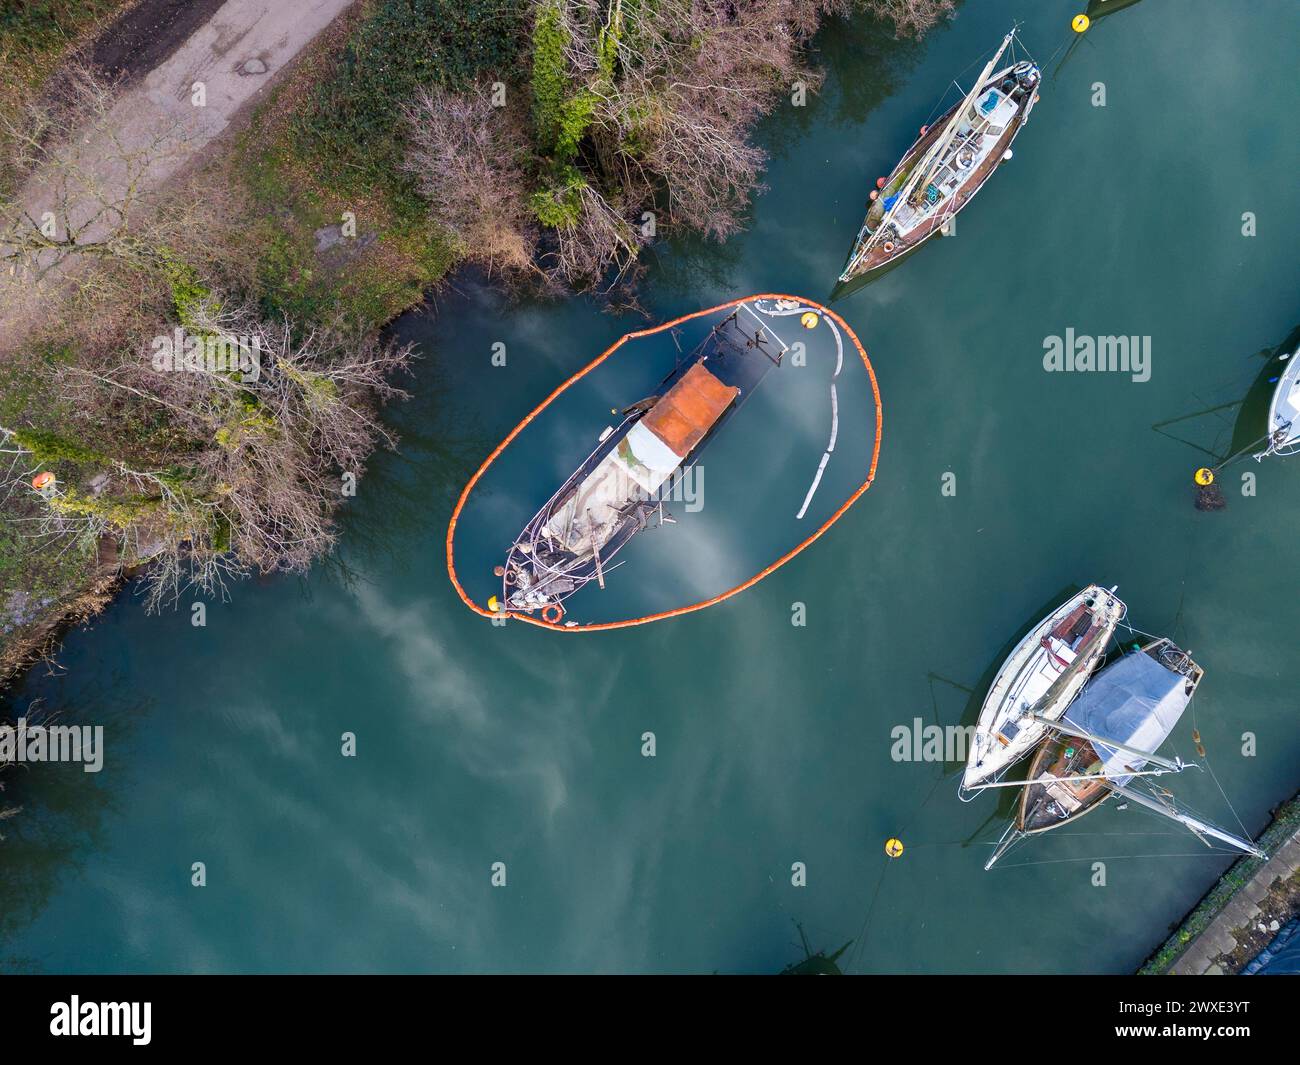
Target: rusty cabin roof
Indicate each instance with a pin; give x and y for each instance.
(689, 409)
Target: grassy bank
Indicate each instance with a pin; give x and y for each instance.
(327, 148)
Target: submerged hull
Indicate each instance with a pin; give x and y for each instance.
(617, 491)
(1041, 676)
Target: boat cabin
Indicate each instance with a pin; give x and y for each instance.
(651, 452)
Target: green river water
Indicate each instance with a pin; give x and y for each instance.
(479, 744)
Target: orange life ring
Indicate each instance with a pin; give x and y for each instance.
(889, 246)
(546, 613)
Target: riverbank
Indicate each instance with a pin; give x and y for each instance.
(1242, 912)
(343, 181)
(63, 552)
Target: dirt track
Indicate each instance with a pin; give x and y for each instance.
(235, 54)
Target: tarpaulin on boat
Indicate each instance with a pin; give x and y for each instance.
(1137, 702)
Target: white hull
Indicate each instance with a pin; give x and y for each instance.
(1284, 412)
(1043, 674)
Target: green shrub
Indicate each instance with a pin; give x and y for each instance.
(186, 289)
(48, 448)
(550, 78)
(559, 203)
(351, 125)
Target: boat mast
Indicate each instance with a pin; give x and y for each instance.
(951, 131)
(937, 148)
(1078, 733)
(1070, 780)
(1200, 828)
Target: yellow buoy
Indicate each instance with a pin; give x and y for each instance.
(1204, 476)
(809, 319)
(493, 605)
(894, 847)
(1080, 23)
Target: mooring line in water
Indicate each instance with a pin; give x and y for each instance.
(691, 608)
(860, 949)
(862, 934)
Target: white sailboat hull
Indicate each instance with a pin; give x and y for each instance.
(1043, 674)
(1284, 412)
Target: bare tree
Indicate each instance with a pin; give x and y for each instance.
(911, 18)
(87, 196)
(465, 155)
(678, 92)
(270, 438)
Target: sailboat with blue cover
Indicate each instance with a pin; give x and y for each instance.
(1105, 744)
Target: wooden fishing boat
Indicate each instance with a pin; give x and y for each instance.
(1284, 411)
(1039, 679)
(1106, 739)
(943, 169)
(618, 490)
(1135, 703)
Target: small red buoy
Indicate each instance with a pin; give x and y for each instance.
(880, 183)
(925, 130)
(42, 480)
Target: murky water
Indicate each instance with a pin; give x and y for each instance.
(478, 745)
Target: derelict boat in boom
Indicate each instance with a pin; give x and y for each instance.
(617, 491)
(943, 169)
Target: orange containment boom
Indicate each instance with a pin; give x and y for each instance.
(698, 403)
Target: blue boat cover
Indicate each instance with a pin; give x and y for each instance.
(1137, 702)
